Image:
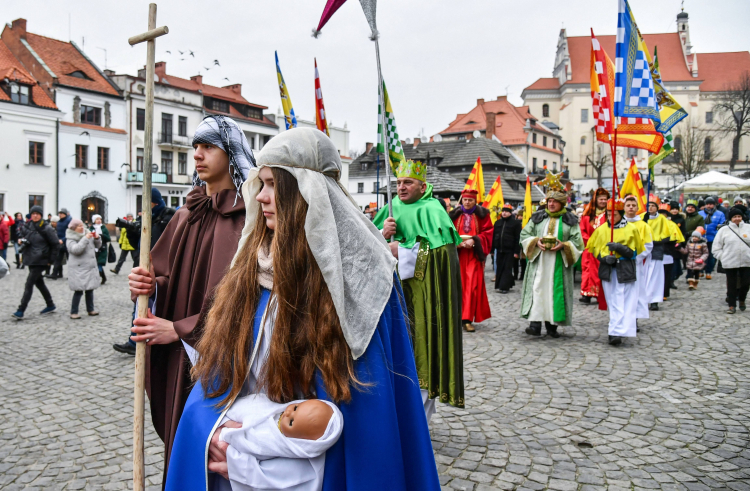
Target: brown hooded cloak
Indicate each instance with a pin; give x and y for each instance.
(189, 261)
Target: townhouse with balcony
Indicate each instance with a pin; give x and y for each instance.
(91, 136)
(179, 106)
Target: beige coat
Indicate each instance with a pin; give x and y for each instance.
(83, 271)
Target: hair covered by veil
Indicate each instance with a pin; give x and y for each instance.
(350, 251)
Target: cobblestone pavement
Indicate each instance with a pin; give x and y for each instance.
(666, 411)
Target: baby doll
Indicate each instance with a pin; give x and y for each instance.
(279, 446)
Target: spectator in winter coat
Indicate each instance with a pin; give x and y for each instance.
(732, 248)
(739, 203)
(125, 247)
(697, 255)
(61, 228)
(505, 248)
(15, 234)
(693, 219)
(4, 237)
(101, 251)
(712, 218)
(83, 271)
(40, 249)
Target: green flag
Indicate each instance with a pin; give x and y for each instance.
(392, 140)
(666, 150)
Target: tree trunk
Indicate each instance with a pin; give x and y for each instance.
(735, 152)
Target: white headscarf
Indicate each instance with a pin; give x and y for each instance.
(351, 253)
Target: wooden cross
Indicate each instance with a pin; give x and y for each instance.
(145, 260)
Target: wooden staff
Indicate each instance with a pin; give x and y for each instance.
(140, 348)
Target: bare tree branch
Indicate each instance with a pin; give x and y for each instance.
(599, 160)
(695, 148)
(733, 113)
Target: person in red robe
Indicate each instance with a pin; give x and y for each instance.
(474, 225)
(593, 216)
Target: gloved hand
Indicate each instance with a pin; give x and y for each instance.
(611, 260)
(621, 249)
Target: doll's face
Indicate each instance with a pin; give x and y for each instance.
(307, 420)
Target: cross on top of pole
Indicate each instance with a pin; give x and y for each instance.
(153, 32)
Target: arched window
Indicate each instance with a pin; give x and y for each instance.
(545, 111)
(707, 149)
(583, 140)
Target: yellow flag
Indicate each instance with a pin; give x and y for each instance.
(527, 203)
(634, 185)
(476, 180)
(494, 201)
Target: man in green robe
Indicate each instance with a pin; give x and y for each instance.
(424, 242)
(548, 283)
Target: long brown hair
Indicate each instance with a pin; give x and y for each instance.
(307, 335)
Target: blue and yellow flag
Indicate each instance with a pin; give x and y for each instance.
(670, 111)
(286, 102)
(635, 96)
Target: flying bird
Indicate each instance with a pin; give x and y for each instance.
(225, 78)
(207, 69)
(216, 62)
(85, 133)
(169, 52)
(192, 54)
(182, 59)
(82, 173)
(181, 52)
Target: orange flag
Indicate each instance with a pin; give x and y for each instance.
(633, 185)
(476, 180)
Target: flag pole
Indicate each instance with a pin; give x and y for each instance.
(145, 259)
(613, 146)
(383, 136)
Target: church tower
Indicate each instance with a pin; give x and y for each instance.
(683, 30)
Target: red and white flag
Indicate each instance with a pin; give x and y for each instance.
(320, 111)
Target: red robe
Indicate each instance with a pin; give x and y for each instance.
(475, 306)
(591, 285)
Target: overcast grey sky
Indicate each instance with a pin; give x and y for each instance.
(438, 56)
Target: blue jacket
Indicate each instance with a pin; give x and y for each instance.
(717, 218)
(62, 226)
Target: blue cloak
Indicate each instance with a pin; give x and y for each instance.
(385, 443)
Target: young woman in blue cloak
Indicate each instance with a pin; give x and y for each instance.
(315, 279)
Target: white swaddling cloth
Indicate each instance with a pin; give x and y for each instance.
(260, 457)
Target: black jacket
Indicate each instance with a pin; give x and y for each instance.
(158, 224)
(506, 235)
(41, 244)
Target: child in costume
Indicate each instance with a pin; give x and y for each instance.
(279, 446)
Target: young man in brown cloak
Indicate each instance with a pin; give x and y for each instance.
(189, 260)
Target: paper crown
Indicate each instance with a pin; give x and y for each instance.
(552, 182)
(692, 202)
(507, 206)
(470, 193)
(619, 204)
(664, 207)
(412, 170)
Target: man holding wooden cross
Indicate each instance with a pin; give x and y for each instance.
(188, 261)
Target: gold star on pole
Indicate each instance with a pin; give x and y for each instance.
(552, 181)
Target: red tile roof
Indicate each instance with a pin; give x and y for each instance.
(544, 84)
(94, 127)
(63, 59)
(718, 69)
(509, 121)
(714, 69)
(12, 69)
(196, 83)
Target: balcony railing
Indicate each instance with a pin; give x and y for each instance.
(155, 177)
(170, 139)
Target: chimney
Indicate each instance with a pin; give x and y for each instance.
(109, 73)
(197, 79)
(490, 130)
(417, 140)
(20, 26)
(502, 97)
(236, 88)
(368, 147)
(160, 68)
(480, 102)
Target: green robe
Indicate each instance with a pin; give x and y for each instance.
(433, 295)
(538, 291)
